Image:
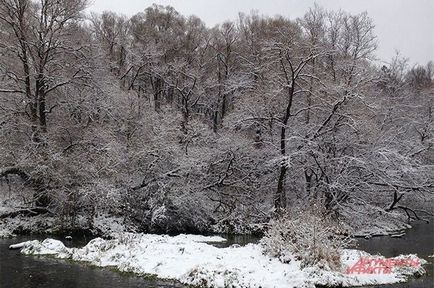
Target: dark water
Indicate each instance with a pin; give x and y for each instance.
(418, 240)
(19, 271)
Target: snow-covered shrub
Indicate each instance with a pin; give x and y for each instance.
(310, 236)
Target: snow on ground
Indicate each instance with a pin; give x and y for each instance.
(22, 224)
(190, 260)
(10, 201)
(107, 224)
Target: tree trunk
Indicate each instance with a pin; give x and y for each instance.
(215, 121)
(280, 196)
(40, 198)
(41, 98)
(308, 179)
(32, 100)
(309, 94)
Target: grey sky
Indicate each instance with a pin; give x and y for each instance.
(406, 25)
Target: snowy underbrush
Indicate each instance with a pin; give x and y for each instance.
(21, 225)
(238, 225)
(104, 225)
(189, 259)
(310, 236)
(5, 233)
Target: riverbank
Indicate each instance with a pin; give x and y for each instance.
(19, 219)
(191, 260)
(49, 272)
(104, 225)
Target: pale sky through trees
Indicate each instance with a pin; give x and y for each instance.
(405, 25)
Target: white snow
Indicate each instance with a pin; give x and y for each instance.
(188, 259)
(107, 224)
(18, 245)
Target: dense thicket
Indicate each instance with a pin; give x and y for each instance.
(175, 126)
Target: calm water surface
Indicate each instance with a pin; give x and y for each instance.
(418, 240)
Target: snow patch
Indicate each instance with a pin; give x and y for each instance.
(188, 259)
(107, 224)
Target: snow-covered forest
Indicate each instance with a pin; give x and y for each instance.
(157, 123)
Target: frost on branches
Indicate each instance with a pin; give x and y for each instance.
(169, 126)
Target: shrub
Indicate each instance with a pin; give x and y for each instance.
(310, 236)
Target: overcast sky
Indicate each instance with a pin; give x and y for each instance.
(404, 25)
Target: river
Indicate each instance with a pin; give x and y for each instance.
(19, 271)
(418, 240)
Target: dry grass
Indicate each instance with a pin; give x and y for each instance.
(306, 235)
